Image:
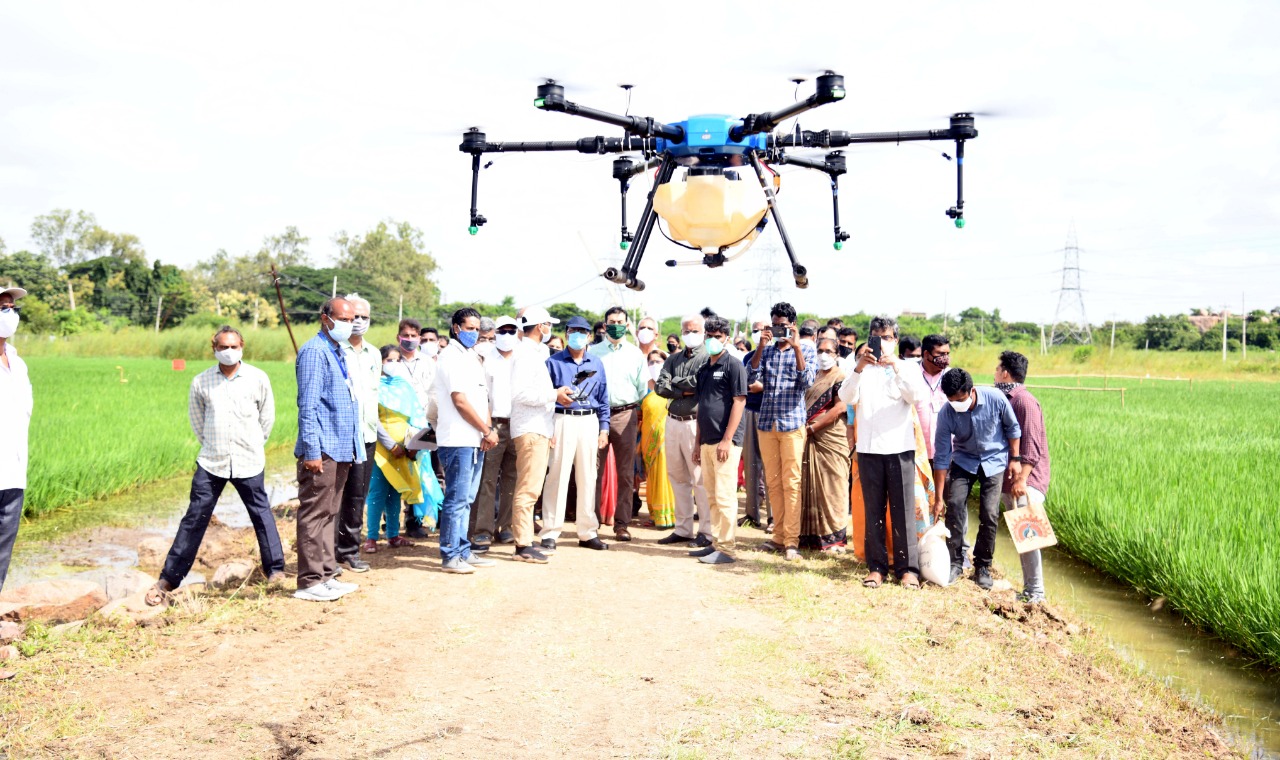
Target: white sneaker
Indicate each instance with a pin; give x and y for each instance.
(340, 588)
(317, 593)
(475, 560)
(457, 566)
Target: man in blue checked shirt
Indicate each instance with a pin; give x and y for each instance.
(329, 441)
(785, 367)
(581, 430)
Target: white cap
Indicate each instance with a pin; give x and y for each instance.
(536, 315)
(505, 321)
(15, 292)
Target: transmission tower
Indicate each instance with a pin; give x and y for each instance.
(768, 272)
(1069, 321)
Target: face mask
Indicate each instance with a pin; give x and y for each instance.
(714, 346)
(615, 331)
(578, 341)
(486, 350)
(645, 335)
(340, 331)
(546, 337)
(912, 360)
(468, 338)
(1006, 388)
(8, 324)
(692, 340)
(409, 344)
(672, 347)
(826, 362)
(228, 357)
(430, 348)
(507, 343)
(942, 361)
(888, 347)
(654, 371)
(960, 406)
(359, 325)
(844, 351)
(393, 369)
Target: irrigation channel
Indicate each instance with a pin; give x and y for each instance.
(1160, 643)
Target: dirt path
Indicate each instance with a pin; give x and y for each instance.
(634, 652)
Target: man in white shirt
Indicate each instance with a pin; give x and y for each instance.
(500, 461)
(15, 420)
(533, 403)
(364, 362)
(232, 411)
(418, 355)
(463, 434)
(886, 445)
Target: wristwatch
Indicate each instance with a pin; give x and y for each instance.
(1015, 459)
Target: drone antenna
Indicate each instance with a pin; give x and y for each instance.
(795, 123)
(627, 87)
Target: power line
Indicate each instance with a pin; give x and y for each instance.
(1070, 312)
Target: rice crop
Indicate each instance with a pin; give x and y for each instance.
(93, 435)
(1172, 494)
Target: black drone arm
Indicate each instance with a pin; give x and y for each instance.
(830, 89)
(551, 98)
(833, 165)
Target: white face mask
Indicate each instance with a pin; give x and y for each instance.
(340, 331)
(507, 343)
(546, 336)
(693, 340)
(960, 406)
(430, 348)
(888, 348)
(486, 350)
(229, 357)
(645, 336)
(393, 369)
(826, 362)
(360, 325)
(654, 371)
(8, 324)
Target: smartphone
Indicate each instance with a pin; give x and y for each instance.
(873, 343)
(781, 335)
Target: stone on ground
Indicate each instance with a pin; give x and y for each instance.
(52, 601)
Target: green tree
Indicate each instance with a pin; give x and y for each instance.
(31, 271)
(61, 235)
(1168, 333)
(287, 249)
(393, 255)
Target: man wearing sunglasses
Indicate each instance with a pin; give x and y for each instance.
(15, 419)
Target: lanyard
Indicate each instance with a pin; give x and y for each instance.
(342, 362)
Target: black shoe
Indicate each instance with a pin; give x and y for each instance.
(702, 540)
(480, 548)
(418, 531)
(356, 564)
(675, 538)
(744, 521)
(702, 552)
(594, 543)
(506, 537)
(956, 572)
(982, 577)
(529, 554)
(548, 545)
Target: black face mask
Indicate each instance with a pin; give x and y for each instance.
(673, 347)
(844, 351)
(941, 361)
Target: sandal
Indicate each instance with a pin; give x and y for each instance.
(158, 595)
(771, 547)
(909, 580)
(370, 546)
(873, 580)
(397, 542)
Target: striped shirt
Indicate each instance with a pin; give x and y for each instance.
(782, 406)
(232, 419)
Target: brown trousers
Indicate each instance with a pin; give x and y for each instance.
(499, 467)
(319, 496)
(622, 436)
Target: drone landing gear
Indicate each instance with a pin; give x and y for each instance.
(797, 269)
(627, 274)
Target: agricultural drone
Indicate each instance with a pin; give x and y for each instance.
(728, 190)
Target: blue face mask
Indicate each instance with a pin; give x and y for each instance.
(468, 338)
(578, 341)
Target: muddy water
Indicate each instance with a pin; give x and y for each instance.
(1159, 642)
(1162, 645)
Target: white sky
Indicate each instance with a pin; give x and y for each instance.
(1151, 126)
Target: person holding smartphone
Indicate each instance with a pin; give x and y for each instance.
(785, 368)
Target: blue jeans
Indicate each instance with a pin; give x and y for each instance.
(205, 490)
(10, 517)
(383, 501)
(462, 468)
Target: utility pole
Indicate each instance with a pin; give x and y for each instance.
(1225, 317)
(1044, 350)
(1244, 330)
(335, 286)
(71, 295)
(159, 301)
(982, 331)
(1113, 335)
(1070, 312)
(275, 278)
(401, 317)
(257, 300)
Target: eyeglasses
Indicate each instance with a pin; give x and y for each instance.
(359, 318)
(506, 331)
(7, 309)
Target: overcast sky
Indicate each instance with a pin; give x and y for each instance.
(1152, 127)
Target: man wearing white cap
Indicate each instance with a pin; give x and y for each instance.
(15, 419)
(533, 403)
(499, 461)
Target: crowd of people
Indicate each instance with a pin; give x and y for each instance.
(502, 430)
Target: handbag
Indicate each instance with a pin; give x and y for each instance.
(1029, 526)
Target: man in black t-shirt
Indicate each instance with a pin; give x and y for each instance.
(722, 397)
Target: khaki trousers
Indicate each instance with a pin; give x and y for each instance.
(721, 481)
(686, 477)
(577, 441)
(781, 455)
(531, 471)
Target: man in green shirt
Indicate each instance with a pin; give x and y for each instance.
(626, 374)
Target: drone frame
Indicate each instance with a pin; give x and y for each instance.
(654, 140)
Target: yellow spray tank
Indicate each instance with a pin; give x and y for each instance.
(713, 207)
